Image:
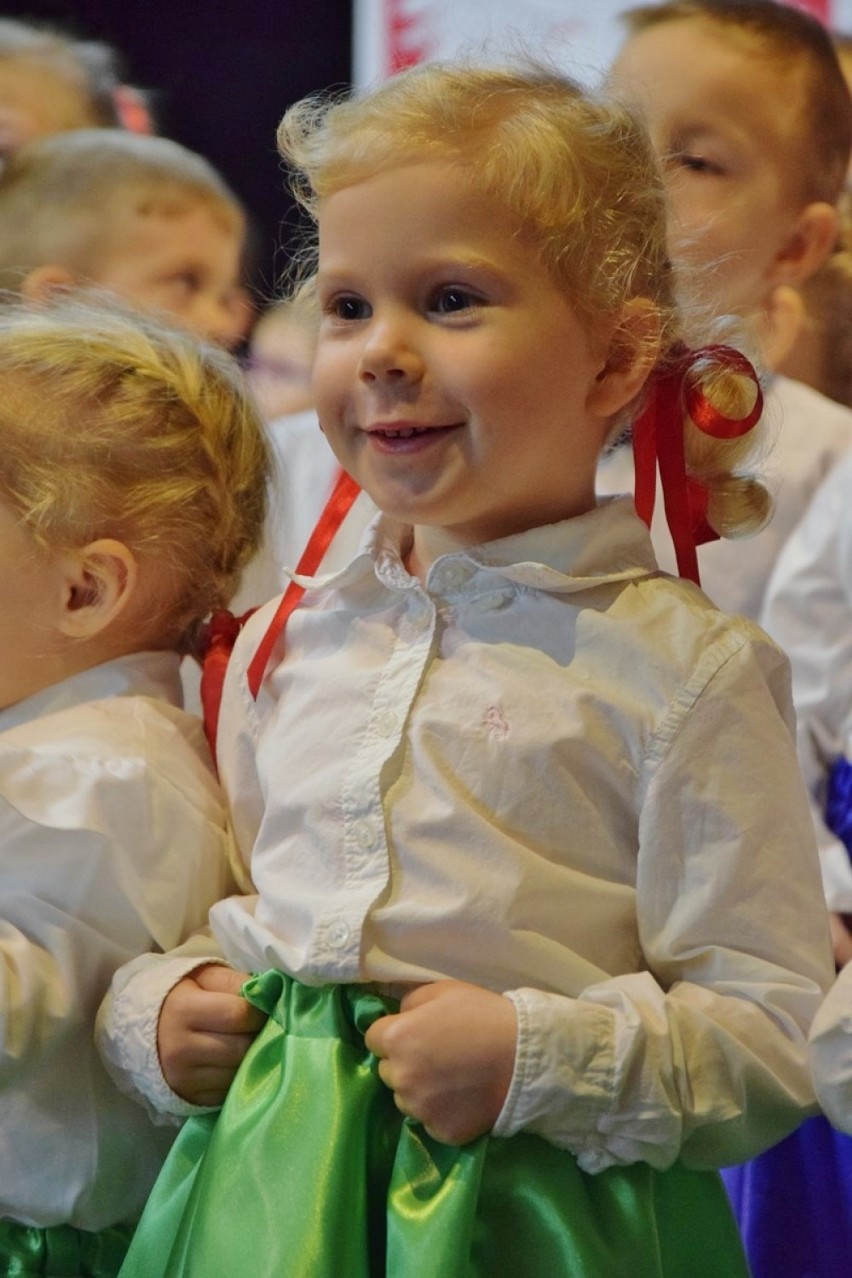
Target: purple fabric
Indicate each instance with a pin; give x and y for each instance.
(794, 1205)
(838, 803)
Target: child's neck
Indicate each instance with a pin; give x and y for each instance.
(428, 544)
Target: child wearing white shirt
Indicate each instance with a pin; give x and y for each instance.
(508, 796)
(132, 479)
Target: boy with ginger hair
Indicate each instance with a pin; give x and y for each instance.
(751, 119)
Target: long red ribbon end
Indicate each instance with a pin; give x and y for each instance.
(337, 508)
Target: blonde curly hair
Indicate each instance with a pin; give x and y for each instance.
(116, 425)
(578, 176)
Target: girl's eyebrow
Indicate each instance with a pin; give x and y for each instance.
(443, 264)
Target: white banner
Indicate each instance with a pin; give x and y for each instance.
(581, 38)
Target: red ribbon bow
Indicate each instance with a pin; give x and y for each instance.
(658, 442)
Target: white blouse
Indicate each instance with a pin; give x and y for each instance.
(112, 842)
(558, 774)
(809, 612)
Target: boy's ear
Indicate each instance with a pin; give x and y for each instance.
(43, 282)
(808, 245)
(98, 582)
(780, 325)
(632, 352)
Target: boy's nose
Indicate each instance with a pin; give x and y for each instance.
(220, 322)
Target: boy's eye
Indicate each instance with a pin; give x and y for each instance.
(695, 163)
(185, 283)
(453, 299)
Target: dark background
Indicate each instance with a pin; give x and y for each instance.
(221, 75)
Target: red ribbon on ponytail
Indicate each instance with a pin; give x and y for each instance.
(658, 442)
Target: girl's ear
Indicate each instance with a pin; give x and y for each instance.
(44, 282)
(98, 582)
(631, 353)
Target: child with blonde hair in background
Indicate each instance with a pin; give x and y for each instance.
(51, 82)
(503, 788)
(751, 120)
(304, 468)
(132, 484)
(141, 217)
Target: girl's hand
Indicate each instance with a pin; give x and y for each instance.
(205, 1029)
(448, 1057)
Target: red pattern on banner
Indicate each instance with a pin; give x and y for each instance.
(405, 46)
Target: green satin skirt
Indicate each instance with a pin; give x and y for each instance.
(61, 1251)
(309, 1171)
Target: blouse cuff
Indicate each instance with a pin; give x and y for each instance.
(562, 1085)
(127, 1036)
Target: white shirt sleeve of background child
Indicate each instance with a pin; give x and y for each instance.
(126, 1031)
(808, 611)
(104, 857)
(127, 1024)
(700, 1056)
(831, 1052)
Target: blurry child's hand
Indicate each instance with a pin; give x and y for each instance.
(841, 939)
(448, 1057)
(205, 1029)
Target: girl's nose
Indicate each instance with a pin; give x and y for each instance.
(386, 357)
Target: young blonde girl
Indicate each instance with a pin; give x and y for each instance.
(519, 811)
(132, 480)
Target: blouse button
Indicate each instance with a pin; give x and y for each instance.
(365, 835)
(338, 934)
(452, 574)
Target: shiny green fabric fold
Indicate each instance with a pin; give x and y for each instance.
(309, 1171)
(60, 1251)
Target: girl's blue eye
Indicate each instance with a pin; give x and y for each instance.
(450, 301)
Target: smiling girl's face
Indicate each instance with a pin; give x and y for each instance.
(452, 377)
(723, 123)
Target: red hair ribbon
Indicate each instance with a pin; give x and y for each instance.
(337, 508)
(217, 639)
(658, 442)
(132, 109)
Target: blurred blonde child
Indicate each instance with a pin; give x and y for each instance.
(280, 357)
(51, 82)
(142, 217)
(751, 119)
(132, 481)
(304, 468)
(499, 766)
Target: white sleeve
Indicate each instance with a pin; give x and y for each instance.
(126, 1030)
(808, 611)
(703, 1055)
(127, 1024)
(831, 1052)
(104, 858)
